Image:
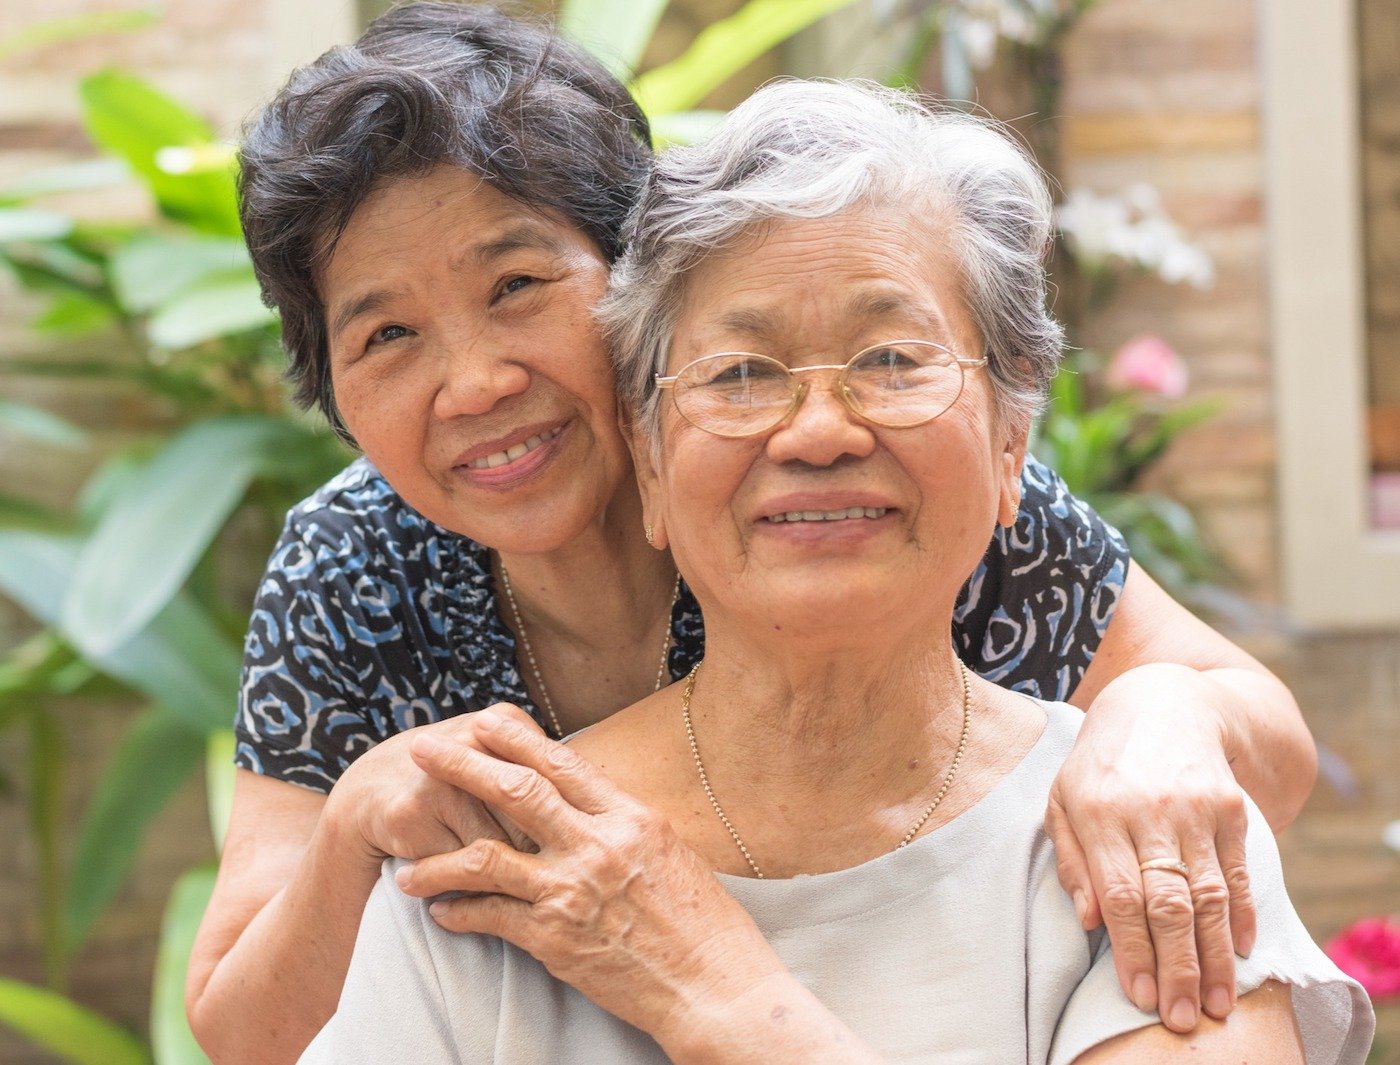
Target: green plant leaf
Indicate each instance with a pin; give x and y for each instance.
(723, 49)
(171, 1038)
(616, 31)
(46, 772)
(31, 223)
(180, 659)
(149, 539)
(154, 267)
(133, 120)
(43, 665)
(64, 1028)
(75, 313)
(218, 782)
(683, 127)
(157, 754)
(75, 27)
(37, 424)
(68, 177)
(215, 307)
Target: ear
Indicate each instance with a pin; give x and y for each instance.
(1012, 463)
(648, 478)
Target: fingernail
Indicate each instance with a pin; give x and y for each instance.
(403, 875)
(1184, 1014)
(437, 909)
(1081, 906)
(487, 720)
(1217, 1002)
(1145, 992)
(1245, 945)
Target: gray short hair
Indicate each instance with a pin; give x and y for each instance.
(813, 149)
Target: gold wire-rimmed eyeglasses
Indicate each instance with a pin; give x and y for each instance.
(897, 384)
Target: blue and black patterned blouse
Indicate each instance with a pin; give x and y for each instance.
(371, 620)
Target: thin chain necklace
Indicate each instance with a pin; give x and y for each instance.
(908, 836)
(534, 662)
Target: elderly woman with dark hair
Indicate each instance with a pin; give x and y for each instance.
(830, 334)
(434, 210)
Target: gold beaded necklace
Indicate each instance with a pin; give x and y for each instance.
(908, 836)
(535, 665)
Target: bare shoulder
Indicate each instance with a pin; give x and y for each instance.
(1261, 1030)
(637, 747)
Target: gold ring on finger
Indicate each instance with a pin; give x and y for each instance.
(1170, 865)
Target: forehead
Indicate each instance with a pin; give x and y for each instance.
(834, 277)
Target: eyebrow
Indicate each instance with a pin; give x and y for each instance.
(765, 324)
(479, 256)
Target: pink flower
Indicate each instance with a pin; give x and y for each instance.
(1369, 952)
(1148, 364)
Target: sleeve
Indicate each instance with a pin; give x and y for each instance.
(1035, 610)
(393, 1006)
(1334, 1015)
(301, 714)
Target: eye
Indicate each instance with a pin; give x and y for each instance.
(386, 334)
(888, 358)
(515, 284)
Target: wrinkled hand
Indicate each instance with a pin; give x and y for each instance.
(613, 902)
(401, 810)
(1149, 778)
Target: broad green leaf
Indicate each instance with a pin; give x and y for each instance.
(616, 31)
(75, 27)
(75, 313)
(154, 267)
(113, 480)
(171, 1038)
(42, 665)
(684, 127)
(723, 49)
(135, 121)
(68, 177)
(215, 307)
(31, 223)
(148, 541)
(46, 773)
(180, 659)
(55, 266)
(37, 424)
(64, 1028)
(154, 758)
(218, 782)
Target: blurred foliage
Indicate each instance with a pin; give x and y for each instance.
(129, 584)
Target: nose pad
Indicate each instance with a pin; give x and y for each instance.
(797, 397)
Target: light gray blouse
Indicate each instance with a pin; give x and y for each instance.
(959, 948)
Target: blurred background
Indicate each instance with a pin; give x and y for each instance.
(1228, 266)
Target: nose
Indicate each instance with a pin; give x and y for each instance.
(474, 377)
(822, 428)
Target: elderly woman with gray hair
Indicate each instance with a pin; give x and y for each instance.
(830, 333)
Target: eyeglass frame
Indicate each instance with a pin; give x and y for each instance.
(800, 390)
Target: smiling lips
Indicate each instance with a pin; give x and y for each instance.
(829, 515)
(517, 451)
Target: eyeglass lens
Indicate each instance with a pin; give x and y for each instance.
(893, 385)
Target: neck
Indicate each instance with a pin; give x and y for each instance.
(602, 589)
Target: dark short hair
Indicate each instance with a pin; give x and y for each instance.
(428, 84)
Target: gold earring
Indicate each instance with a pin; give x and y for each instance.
(651, 536)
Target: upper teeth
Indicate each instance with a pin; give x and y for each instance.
(510, 454)
(831, 515)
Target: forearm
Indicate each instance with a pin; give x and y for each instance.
(774, 1021)
(279, 981)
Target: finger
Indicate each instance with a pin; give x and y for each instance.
(1171, 919)
(1210, 902)
(1113, 870)
(487, 865)
(1230, 849)
(491, 915)
(579, 781)
(1072, 866)
(522, 794)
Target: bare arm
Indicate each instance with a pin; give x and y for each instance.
(1179, 720)
(1261, 1030)
(1266, 742)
